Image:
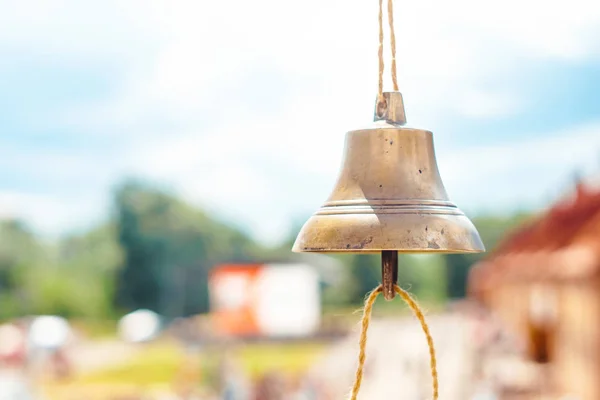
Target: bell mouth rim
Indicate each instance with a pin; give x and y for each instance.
(377, 232)
(400, 251)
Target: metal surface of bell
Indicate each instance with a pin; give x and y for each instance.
(389, 195)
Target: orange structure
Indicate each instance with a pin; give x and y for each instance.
(543, 282)
(234, 300)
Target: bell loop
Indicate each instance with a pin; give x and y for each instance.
(390, 108)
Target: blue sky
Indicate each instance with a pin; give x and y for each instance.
(241, 107)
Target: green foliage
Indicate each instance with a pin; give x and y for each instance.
(71, 279)
(424, 275)
(18, 252)
(365, 272)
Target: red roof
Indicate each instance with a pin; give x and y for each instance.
(566, 222)
(549, 246)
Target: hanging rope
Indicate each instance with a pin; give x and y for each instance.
(381, 101)
(366, 319)
(380, 54)
(392, 43)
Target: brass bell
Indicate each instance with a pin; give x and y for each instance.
(389, 198)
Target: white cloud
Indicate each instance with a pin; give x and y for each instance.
(487, 104)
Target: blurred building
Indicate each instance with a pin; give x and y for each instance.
(543, 283)
(265, 300)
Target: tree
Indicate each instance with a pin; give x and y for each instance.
(85, 273)
(20, 256)
(169, 248)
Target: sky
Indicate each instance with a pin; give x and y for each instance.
(241, 107)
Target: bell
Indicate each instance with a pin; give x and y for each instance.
(389, 197)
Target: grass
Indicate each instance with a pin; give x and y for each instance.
(155, 363)
(287, 358)
(162, 364)
(153, 367)
(95, 328)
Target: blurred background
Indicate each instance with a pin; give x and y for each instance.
(158, 158)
